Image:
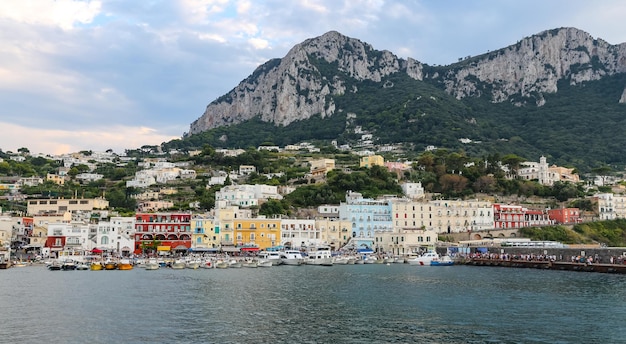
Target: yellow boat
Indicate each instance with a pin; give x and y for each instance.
(110, 265)
(96, 266)
(125, 264)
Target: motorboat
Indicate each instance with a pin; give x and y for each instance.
(291, 257)
(96, 266)
(55, 265)
(82, 267)
(152, 264)
(234, 264)
(442, 261)
(424, 259)
(271, 256)
(250, 264)
(110, 265)
(178, 264)
(320, 256)
(68, 264)
(222, 264)
(125, 264)
(341, 260)
(264, 264)
(192, 264)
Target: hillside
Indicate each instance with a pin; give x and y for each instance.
(560, 93)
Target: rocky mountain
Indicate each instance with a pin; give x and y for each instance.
(560, 93)
(283, 91)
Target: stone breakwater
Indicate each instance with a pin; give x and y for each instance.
(605, 260)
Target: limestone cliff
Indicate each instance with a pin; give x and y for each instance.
(293, 88)
(534, 66)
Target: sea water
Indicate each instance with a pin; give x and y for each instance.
(372, 303)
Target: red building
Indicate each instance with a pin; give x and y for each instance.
(509, 216)
(172, 231)
(565, 215)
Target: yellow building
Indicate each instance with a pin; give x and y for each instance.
(371, 160)
(336, 233)
(55, 178)
(260, 232)
(204, 236)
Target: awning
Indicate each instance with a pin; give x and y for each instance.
(230, 249)
(249, 249)
(126, 248)
(163, 248)
(203, 249)
(181, 248)
(96, 250)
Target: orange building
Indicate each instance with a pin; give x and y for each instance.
(565, 215)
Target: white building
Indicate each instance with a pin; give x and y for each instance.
(245, 195)
(117, 235)
(298, 233)
(413, 190)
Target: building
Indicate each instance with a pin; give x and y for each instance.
(404, 241)
(62, 205)
(371, 160)
(245, 196)
(565, 215)
(204, 235)
(259, 232)
(299, 233)
(545, 174)
(413, 190)
(334, 232)
(70, 237)
(366, 216)
(116, 236)
(509, 216)
(170, 232)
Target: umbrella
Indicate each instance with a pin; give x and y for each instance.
(96, 250)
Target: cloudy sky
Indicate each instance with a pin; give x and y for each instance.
(119, 74)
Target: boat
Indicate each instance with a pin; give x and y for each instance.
(264, 264)
(291, 257)
(320, 256)
(192, 264)
(55, 265)
(68, 264)
(222, 264)
(272, 256)
(125, 264)
(207, 264)
(152, 264)
(96, 266)
(178, 264)
(443, 261)
(110, 265)
(341, 260)
(424, 259)
(82, 266)
(234, 264)
(250, 264)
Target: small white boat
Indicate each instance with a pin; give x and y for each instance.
(82, 266)
(341, 260)
(272, 256)
(178, 264)
(234, 264)
(152, 264)
(192, 264)
(221, 264)
(264, 264)
(250, 264)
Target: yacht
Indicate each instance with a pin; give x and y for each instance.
(320, 256)
(291, 257)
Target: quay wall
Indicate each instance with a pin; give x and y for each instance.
(604, 254)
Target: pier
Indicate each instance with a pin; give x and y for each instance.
(547, 264)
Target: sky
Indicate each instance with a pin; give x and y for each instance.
(117, 74)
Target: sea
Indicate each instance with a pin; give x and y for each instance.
(369, 303)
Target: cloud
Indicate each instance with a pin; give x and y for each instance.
(61, 13)
(58, 141)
